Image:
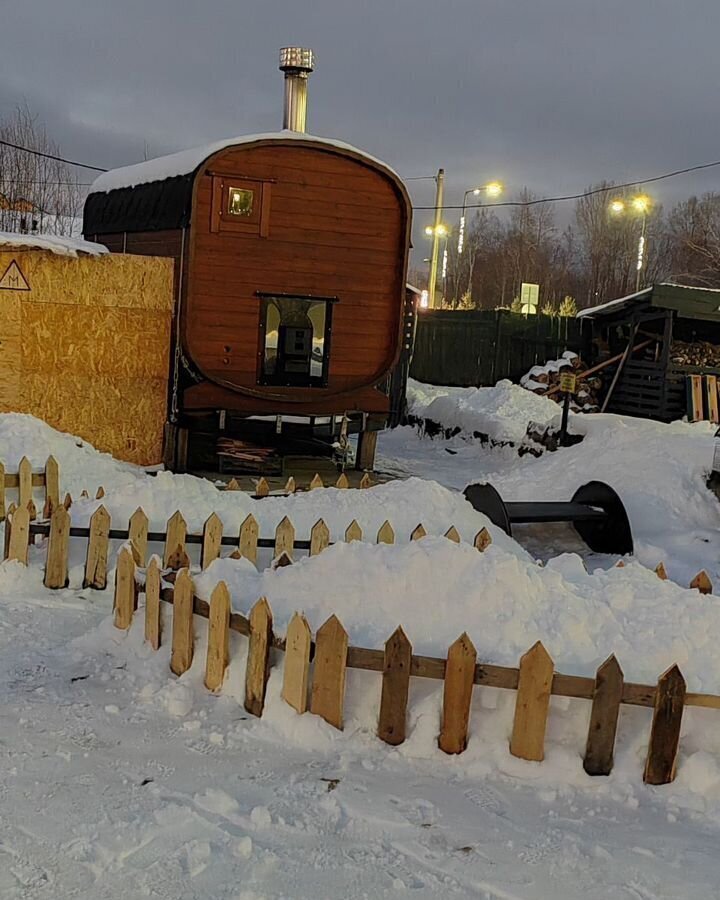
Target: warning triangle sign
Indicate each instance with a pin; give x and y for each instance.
(13, 279)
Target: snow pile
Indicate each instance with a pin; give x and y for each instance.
(57, 244)
(502, 413)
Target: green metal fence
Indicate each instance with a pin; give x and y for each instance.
(479, 347)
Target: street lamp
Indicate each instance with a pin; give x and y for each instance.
(437, 232)
(640, 205)
(492, 189)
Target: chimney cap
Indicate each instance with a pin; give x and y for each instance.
(296, 59)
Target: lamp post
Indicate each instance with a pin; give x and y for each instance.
(437, 232)
(439, 187)
(492, 189)
(640, 205)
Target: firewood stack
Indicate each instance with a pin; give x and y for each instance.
(697, 353)
(545, 381)
(240, 456)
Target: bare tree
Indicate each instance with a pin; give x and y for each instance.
(37, 194)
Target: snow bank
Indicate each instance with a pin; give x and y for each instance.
(60, 245)
(503, 412)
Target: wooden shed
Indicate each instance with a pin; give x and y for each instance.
(85, 339)
(291, 257)
(666, 333)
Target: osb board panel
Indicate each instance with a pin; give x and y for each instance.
(9, 350)
(115, 280)
(123, 417)
(84, 340)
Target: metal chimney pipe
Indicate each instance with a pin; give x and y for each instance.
(297, 63)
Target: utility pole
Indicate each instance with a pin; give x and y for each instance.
(440, 184)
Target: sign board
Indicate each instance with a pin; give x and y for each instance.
(13, 279)
(529, 294)
(568, 383)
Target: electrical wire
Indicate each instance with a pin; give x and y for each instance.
(52, 156)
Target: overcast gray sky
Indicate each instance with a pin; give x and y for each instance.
(553, 94)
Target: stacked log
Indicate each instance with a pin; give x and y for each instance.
(544, 381)
(698, 353)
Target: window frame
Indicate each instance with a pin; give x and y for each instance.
(264, 380)
(257, 223)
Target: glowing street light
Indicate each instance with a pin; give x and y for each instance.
(437, 232)
(640, 205)
(492, 189)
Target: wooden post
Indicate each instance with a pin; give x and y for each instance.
(328, 688)
(665, 732)
(531, 704)
(212, 538)
(97, 550)
(607, 695)
(366, 446)
(316, 482)
(138, 535)
(290, 485)
(247, 543)
(452, 534)
(297, 663)
(68, 501)
(457, 695)
(660, 571)
(24, 482)
(124, 604)
(284, 538)
(232, 485)
(702, 583)
(100, 493)
(52, 482)
(482, 540)
(174, 540)
(397, 662)
(386, 535)
(262, 488)
(258, 660)
(418, 533)
(8, 519)
(218, 650)
(153, 625)
(182, 628)
(319, 537)
(366, 481)
(56, 565)
(342, 482)
(353, 532)
(19, 535)
(2, 492)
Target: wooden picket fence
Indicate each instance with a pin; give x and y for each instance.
(262, 486)
(25, 480)
(22, 531)
(323, 693)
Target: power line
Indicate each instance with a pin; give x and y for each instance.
(61, 159)
(590, 193)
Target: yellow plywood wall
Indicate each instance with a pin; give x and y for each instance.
(87, 346)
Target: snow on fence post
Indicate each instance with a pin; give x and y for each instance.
(212, 539)
(319, 537)
(56, 563)
(457, 695)
(181, 656)
(531, 704)
(353, 532)
(607, 696)
(316, 482)
(52, 483)
(19, 535)
(452, 534)
(97, 549)
(125, 590)
(248, 540)
(8, 528)
(418, 533)
(342, 483)
(386, 535)
(397, 661)
(138, 535)
(175, 556)
(258, 660)
(328, 688)
(24, 482)
(218, 649)
(284, 538)
(482, 540)
(665, 730)
(298, 643)
(153, 633)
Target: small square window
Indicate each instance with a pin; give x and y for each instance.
(294, 340)
(240, 202)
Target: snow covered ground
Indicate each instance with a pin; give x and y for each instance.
(118, 779)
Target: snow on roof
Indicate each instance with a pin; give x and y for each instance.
(61, 246)
(592, 310)
(187, 161)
